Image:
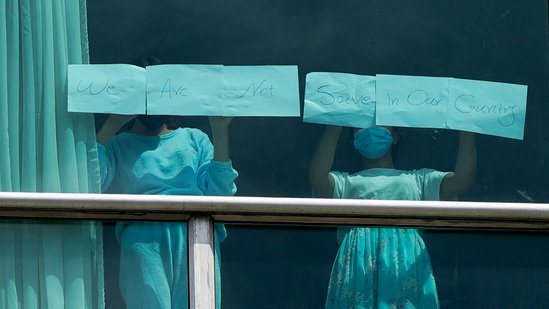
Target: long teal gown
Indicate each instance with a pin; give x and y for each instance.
(383, 267)
(153, 256)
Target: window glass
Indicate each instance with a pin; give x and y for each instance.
(304, 267)
(503, 42)
(47, 149)
(52, 263)
(276, 267)
(146, 264)
(89, 264)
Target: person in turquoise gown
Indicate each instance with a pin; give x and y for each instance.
(151, 158)
(384, 267)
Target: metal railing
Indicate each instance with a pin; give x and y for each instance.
(201, 212)
(275, 210)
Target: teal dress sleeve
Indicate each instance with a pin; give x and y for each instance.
(215, 178)
(431, 183)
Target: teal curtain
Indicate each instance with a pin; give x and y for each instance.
(43, 148)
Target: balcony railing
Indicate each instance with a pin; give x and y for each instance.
(201, 212)
(275, 210)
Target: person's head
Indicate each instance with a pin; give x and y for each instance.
(146, 61)
(376, 142)
(153, 122)
(150, 122)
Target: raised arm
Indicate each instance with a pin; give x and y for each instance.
(112, 125)
(463, 178)
(321, 163)
(107, 163)
(220, 135)
(216, 174)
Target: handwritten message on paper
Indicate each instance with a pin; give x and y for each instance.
(106, 88)
(261, 91)
(177, 89)
(340, 99)
(412, 101)
(460, 104)
(487, 107)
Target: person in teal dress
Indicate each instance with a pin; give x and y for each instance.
(151, 158)
(384, 267)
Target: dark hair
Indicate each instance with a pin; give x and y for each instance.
(147, 60)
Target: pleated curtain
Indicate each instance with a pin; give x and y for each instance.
(43, 148)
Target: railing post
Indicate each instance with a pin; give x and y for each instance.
(201, 262)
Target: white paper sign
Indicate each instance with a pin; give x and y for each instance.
(412, 101)
(177, 89)
(340, 99)
(487, 107)
(106, 88)
(261, 91)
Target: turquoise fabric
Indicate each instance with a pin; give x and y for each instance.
(177, 163)
(153, 256)
(153, 264)
(46, 149)
(383, 267)
(388, 184)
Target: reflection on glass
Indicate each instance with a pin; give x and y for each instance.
(375, 267)
(381, 268)
(43, 148)
(276, 267)
(282, 267)
(152, 159)
(50, 264)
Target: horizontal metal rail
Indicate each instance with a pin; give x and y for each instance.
(270, 210)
